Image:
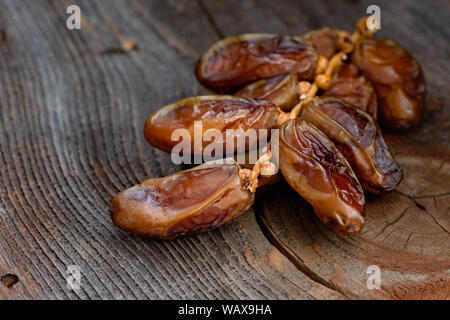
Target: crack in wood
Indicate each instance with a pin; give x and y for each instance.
(432, 195)
(298, 263)
(388, 224)
(77, 123)
(437, 222)
(421, 207)
(407, 240)
(421, 197)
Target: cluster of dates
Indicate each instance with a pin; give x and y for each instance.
(324, 91)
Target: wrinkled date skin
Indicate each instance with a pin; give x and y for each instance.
(324, 40)
(235, 62)
(281, 90)
(317, 170)
(214, 112)
(351, 86)
(398, 80)
(188, 202)
(358, 137)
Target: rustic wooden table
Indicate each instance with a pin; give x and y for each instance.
(73, 105)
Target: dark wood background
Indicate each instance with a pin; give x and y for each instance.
(73, 107)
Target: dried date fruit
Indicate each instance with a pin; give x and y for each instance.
(358, 137)
(324, 40)
(215, 112)
(282, 91)
(328, 41)
(235, 62)
(398, 80)
(188, 202)
(317, 170)
(351, 86)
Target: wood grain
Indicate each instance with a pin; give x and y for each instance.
(407, 234)
(72, 110)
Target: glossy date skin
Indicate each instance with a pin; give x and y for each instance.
(358, 137)
(351, 86)
(282, 91)
(234, 62)
(214, 112)
(324, 40)
(188, 202)
(398, 80)
(317, 170)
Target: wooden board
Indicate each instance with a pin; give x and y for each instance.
(72, 109)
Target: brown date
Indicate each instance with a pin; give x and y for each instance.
(318, 171)
(351, 86)
(188, 202)
(324, 40)
(358, 137)
(214, 112)
(281, 90)
(398, 80)
(235, 62)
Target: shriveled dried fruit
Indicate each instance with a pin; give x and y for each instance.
(235, 62)
(281, 90)
(351, 86)
(328, 41)
(214, 112)
(188, 202)
(398, 80)
(324, 40)
(358, 137)
(317, 170)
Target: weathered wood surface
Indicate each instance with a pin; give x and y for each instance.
(72, 111)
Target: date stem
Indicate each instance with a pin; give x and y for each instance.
(326, 68)
(361, 32)
(262, 167)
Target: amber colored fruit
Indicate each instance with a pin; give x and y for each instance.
(359, 138)
(215, 112)
(282, 91)
(351, 86)
(235, 62)
(324, 40)
(188, 202)
(398, 80)
(317, 170)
